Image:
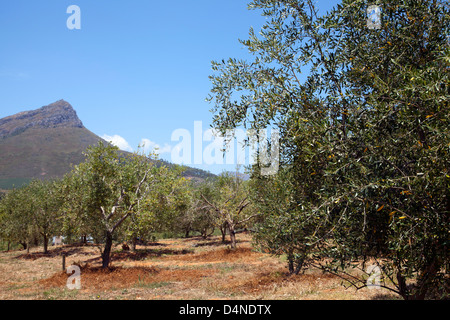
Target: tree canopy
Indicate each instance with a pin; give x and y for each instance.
(363, 115)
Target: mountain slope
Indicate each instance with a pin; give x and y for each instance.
(46, 143)
(42, 143)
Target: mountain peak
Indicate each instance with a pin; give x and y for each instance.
(55, 115)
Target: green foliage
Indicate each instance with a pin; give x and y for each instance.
(44, 201)
(159, 209)
(30, 212)
(193, 215)
(13, 218)
(227, 201)
(363, 117)
(285, 225)
(110, 188)
(111, 196)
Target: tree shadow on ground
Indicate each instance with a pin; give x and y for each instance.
(386, 296)
(214, 243)
(154, 244)
(60, 251)
(142, 254)
(218, 243)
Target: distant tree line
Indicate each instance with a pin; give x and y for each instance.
(112, 197)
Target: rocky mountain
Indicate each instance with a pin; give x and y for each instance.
(46, 143)
(42, 143)
(56, 115)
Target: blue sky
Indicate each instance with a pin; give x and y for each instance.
(136, 69)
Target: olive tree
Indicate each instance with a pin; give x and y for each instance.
(362, 107)
(32, 212)
(14, 218)
(114, 185)
(192, 213)
(162, 205)
(230, 202)
(44, 204)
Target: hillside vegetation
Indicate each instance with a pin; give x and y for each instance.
(46, 143)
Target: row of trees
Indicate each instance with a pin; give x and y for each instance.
(364, 178)
(121, 197)
(363, 115)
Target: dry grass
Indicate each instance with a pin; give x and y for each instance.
(170, 269)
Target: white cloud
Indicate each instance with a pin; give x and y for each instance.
(166, 149)
(118, 141)
(146, 145)
(149, 146)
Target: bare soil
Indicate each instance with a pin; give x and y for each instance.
(171, 269)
